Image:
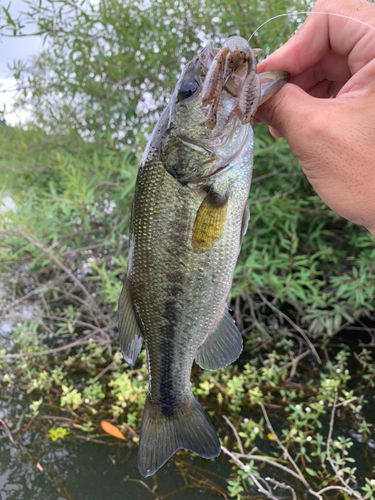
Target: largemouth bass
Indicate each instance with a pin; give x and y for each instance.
(189, 215)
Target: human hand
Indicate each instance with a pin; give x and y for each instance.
(334, 139)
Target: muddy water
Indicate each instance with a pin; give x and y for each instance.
(39, 469)
(35, 468)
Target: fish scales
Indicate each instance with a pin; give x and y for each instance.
(188, 217)
(185, 289)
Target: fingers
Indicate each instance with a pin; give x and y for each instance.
(275, 133)
(301, 51)
(289, 113)
(326, 89)
(331, 56)
(284, 124)
(332, 68)
(341, 28)
(326, 78)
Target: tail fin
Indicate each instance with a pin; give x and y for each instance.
(161, 435)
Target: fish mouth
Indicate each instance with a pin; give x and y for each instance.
(213, 144)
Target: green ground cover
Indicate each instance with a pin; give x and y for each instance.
(298, 405)
(303, 276)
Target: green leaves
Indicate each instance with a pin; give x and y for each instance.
(108, 69)
(299, 250)
(369, 489)
(58, 433)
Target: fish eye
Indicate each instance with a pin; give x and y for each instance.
(188, 87)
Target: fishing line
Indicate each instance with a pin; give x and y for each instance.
(289, 14)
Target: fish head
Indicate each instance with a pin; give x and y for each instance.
(190, 150)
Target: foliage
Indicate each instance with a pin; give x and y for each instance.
(107, 70)
(303, 277)
(58, 433)
(64, 252)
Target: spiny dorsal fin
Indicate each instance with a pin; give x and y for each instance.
(130, 335)
(210, 220)
(222, 346)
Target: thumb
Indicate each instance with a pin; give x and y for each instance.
(290, 111)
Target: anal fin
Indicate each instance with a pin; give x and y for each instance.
(130, 335)
(223, 345)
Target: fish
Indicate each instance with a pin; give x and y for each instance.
(189, 215)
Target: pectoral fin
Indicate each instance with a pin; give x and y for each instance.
(209, 223)
(222, 346)
(245, 221)
(130, 335)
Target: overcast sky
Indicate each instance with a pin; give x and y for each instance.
(11, 49)
(17, 48)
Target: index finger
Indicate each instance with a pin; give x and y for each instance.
(347, 28)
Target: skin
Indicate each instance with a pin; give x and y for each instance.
(327, 111)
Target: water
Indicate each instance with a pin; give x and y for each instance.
(81, 472)
(86, 471)
(36, 468)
